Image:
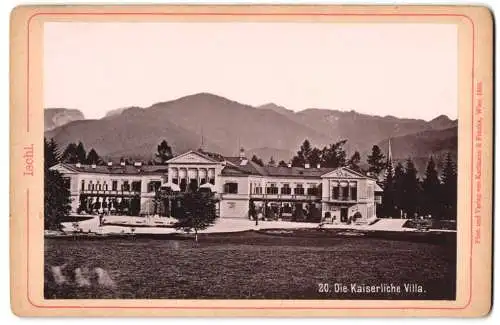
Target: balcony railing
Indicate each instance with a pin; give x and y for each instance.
(342, 200)
(110, 192)
(286, 196)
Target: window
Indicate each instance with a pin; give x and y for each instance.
(286, 190)
(153, 186)
(287, 208)
(272, 189)
(91, 186)
(257, 190)
(345, 193)
(67, 182)
(114, 185)
(336, 193)
(203, 181)
(83, 185)
(211, 181)
(105, 186)
(299, 190)
(231, 188)
(136, 186)
(183, 185)
(175, 181)
(193, 185)
(354, 193)
(125, 186)
(312, 190)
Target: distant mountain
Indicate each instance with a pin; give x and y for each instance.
(442, 122)
(118, 111)
(230, 125)
(223, 124)
(361, 129)
(130, 134)
(55, 117)
(268, 130)
(276, 108)
(422, 145)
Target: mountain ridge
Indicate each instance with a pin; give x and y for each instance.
(225, 125)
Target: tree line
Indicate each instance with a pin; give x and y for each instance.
(75, 153)
(56, 191)
(331, 156)
(433, 195)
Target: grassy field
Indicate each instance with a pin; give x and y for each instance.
(252, 265)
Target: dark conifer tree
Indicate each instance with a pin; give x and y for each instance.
(411, 190)
(449, 189)
(164, 152)
(70, 155)
(399, 177)
(80, 153)
(431, 196)
(257, 160)
(302, 155)
(334, 155)
(56, 190)
(314, 157)
(376, 160)
(51, 152)
(389, 198)
(354, 161)
(272, 162)
(93, 158)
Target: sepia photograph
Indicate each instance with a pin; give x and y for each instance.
(250, 160)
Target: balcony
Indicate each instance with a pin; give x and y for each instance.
(286, 197)
(111, 192)
(343, 200)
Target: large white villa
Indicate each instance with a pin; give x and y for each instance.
(290, 193)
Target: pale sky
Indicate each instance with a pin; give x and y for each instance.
(405, 70)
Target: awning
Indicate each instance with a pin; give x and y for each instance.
(172, 186)
(209, 186)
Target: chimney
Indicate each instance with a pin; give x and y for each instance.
(289, 165)
(318, 166)
(110, 163)
(307, 165)
(78, 165)
(94, 166)
(242, 152)
(122, 163)
(138, 164)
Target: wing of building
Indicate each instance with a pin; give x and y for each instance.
(309, 193)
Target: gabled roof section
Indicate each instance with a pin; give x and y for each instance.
(344, 172)
(192, 157)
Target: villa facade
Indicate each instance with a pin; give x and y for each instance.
(295, 193)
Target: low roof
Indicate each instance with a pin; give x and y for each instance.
(233, 166)
(115, 169)
(237, 167)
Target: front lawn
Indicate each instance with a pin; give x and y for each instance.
(251, 265)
